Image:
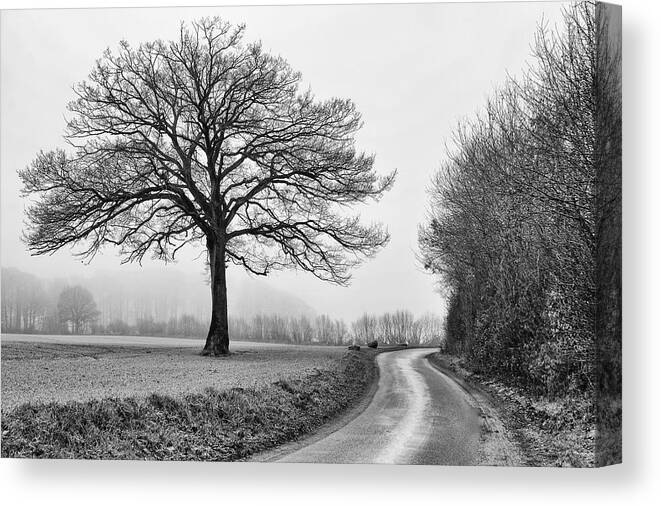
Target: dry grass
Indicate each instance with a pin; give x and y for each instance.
(34, 372)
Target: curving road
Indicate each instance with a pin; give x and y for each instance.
(417, 416)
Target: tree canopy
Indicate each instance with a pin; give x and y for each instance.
(76, 308)
(207, 139)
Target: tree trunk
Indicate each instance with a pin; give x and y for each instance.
(218, 340)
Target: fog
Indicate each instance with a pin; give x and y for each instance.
(412, 70)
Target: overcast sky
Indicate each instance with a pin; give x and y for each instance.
(412, 70)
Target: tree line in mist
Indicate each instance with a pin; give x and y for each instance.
(116, 303)
(387, 328)
(520, 216)
(32, 305)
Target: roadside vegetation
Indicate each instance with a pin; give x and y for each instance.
(524, 232)
(215, 425)
(558, 432)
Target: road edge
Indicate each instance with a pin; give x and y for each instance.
(499, 444)
(335, 424)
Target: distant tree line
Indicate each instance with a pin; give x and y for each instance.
(515, 211)
(32, 305)
(388, 328)
(398, 327)
(24, 302)
(321, 329)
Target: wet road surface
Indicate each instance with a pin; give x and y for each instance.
(417, 416)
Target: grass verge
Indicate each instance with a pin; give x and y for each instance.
(211, 426)
(551, 433)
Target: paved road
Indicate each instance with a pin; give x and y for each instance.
(417, 416)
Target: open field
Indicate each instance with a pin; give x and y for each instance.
(78, 368)
(98, 397)
(213, 425)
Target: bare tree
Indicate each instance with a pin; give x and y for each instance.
(429, 328)
(403, 323)
(76, 308)
(24, 301)
(386, 328)
(365, 328)
(207, 140)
